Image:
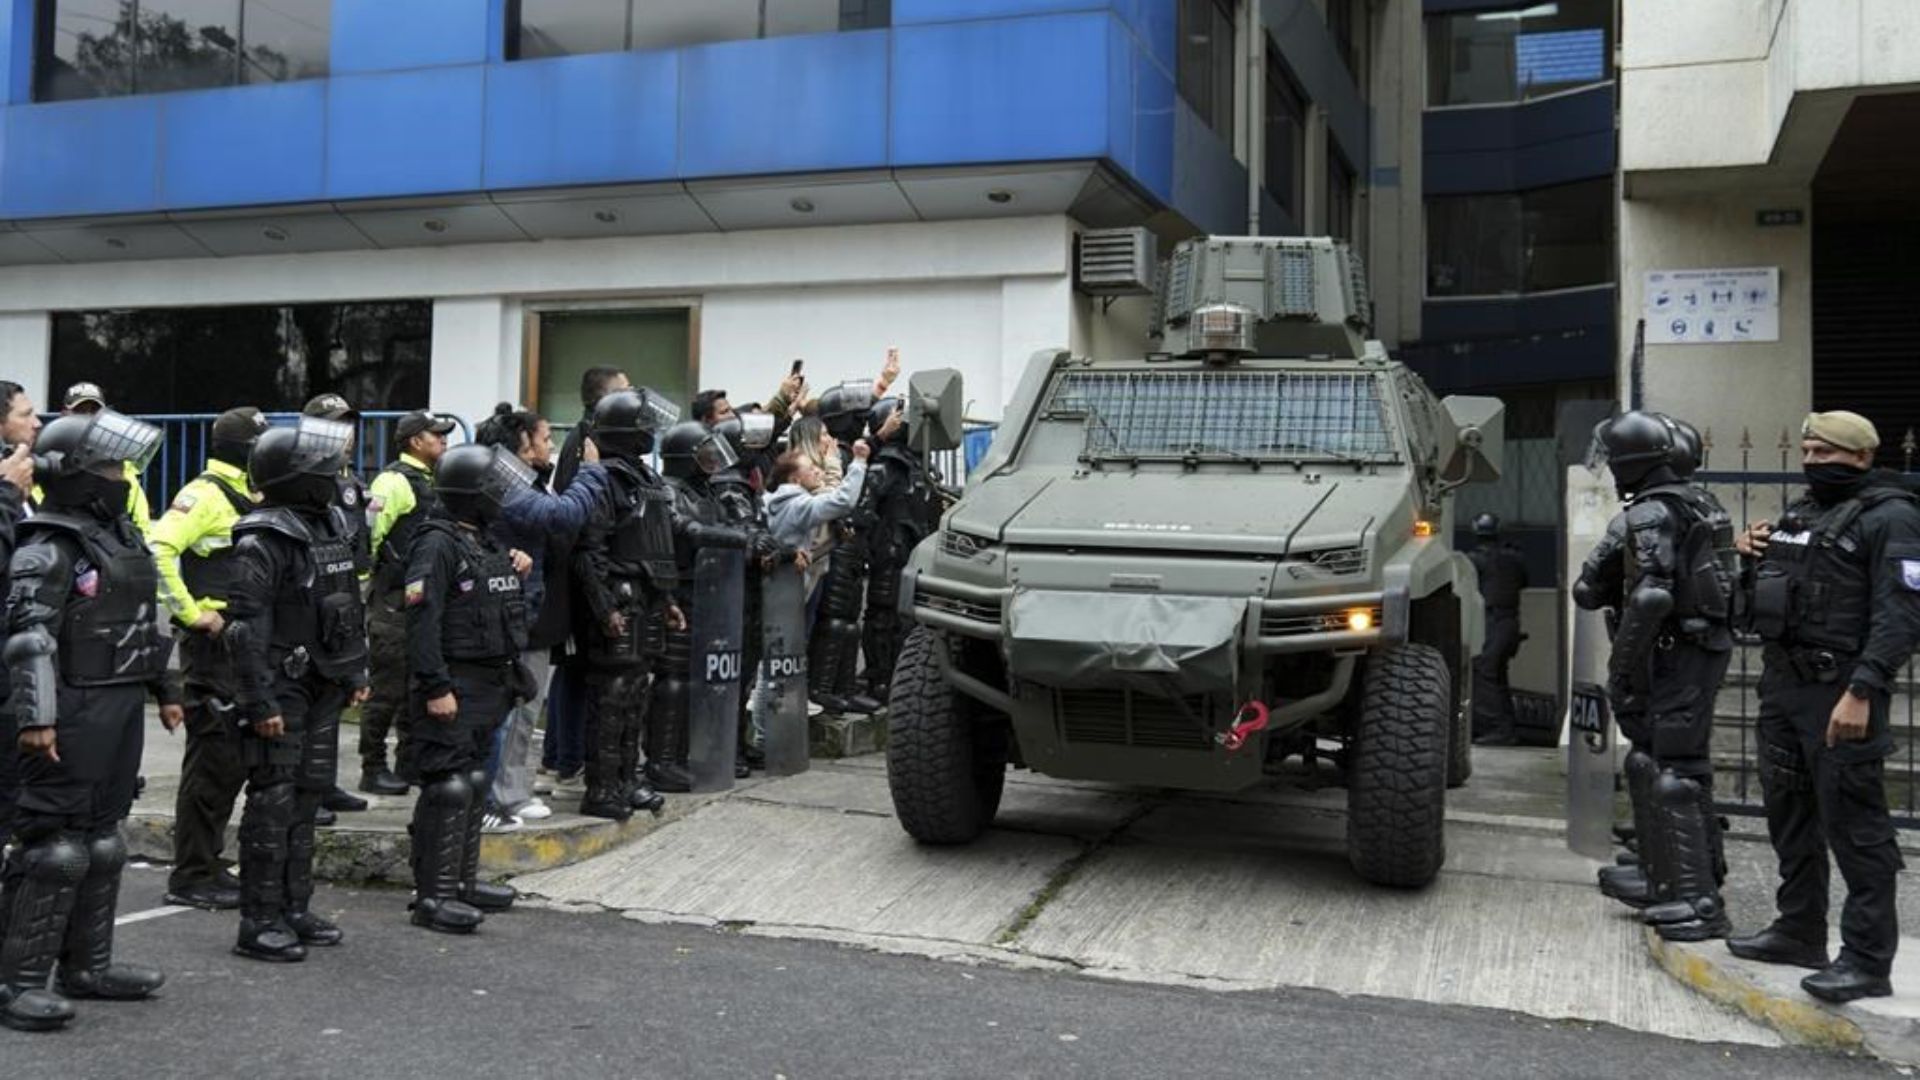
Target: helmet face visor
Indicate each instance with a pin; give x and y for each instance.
(656, 412)
(320, 446)
(714, 454)
(115, 437)
(756, 430)
(507, 476)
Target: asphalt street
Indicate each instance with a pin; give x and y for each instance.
(542, 992)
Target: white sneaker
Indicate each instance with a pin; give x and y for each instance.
(493, 821)
(533, 810)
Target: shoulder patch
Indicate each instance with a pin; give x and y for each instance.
(86, 580)
(416, 592)
(1910, 574)
(185, 502)
(349, 495)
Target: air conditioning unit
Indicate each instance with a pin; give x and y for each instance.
(1116, 262)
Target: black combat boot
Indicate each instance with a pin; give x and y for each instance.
(1685, 868)
(484, 895)
(439, 848)
(42, 881)
(87, 969)
(1775, 945)
(311, 929)
(1845, 980)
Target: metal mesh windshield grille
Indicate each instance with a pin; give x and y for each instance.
(1260, 415)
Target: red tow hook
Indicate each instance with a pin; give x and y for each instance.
(1251, 718)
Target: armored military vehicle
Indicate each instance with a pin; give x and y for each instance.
(1176, 570)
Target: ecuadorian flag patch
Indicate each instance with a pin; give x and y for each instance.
(416, 593)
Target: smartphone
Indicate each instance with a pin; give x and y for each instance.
(797, 365)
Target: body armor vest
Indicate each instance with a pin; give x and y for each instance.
(1707, 566)
(641, 543)
(910, 509)
(397, 545)
(321, 611)
(485, 617)
(209, 576)
(1813, 587)
(110, 634)
(691, 502)
(1499, 569)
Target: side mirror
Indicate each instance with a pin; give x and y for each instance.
(934, 410)
(1475, 451)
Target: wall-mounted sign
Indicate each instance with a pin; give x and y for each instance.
(1713, 307)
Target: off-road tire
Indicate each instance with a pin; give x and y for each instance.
(1460, 745)
(1397, 768)
(946, 766)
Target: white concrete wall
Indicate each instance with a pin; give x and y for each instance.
(1760, 388)
(1714, 83)
(980, 296)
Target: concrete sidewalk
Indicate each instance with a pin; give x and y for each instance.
(1233, 893)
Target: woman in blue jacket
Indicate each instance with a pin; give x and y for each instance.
(543, 525)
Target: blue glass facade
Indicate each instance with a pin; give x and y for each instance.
(421, 102)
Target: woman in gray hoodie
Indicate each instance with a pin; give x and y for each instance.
(794, 511)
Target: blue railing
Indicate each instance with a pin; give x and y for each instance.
(186, 436)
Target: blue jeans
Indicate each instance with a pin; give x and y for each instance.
(565, 749)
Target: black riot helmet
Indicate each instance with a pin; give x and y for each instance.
(625, 422)
(80, 459)
(882, 411)
(1639, 448)
(746, 433)
(844, 410)
(1688, 449)
(300, 466)
(690, 450)
(476, 482)
(1487, 526)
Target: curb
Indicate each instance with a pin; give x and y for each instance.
(1777, 1002)
(361, 855)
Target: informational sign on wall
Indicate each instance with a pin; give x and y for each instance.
(1713, 307)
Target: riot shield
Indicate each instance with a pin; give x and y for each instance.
(1592, 741)
(713, 707)
(783, 630)
(1592, 747)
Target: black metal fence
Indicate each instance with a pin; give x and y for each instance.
(1766, 482)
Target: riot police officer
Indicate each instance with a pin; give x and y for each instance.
(466, 625)
(1834, 591)
(402, 500)
(690, 455)
(1503, 574)
(296, 629)
(84, 647)
(736, 493)
(833, 652)
(624, 570)
(1667, 569)
(193, 548)
(16, 480)
(901, 509)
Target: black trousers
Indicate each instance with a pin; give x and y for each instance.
(485, 695)
(1492, 697)
(1823, 799)
(213, 771)
(99, 732)
(387, 708)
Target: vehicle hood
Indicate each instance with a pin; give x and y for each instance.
(1258, 514)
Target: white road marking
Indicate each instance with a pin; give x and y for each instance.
(151, 913)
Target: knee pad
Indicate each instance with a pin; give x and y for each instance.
(1672, 790)
(58, 858)
(450, 790)
(106, 854)
(477, 779)
(1640, 769)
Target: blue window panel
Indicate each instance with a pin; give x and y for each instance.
(1018, 90)
(914, 12)
(16, 51)
(394, 35)
(1157, 24)
(818, 101)
(405, 133)
(256, 144)
(582, 119)
(81, 157)
(1209, 183)
(1153, 99)
(1122, 141)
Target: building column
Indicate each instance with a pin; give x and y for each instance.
(26, 340)
(476, 356)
